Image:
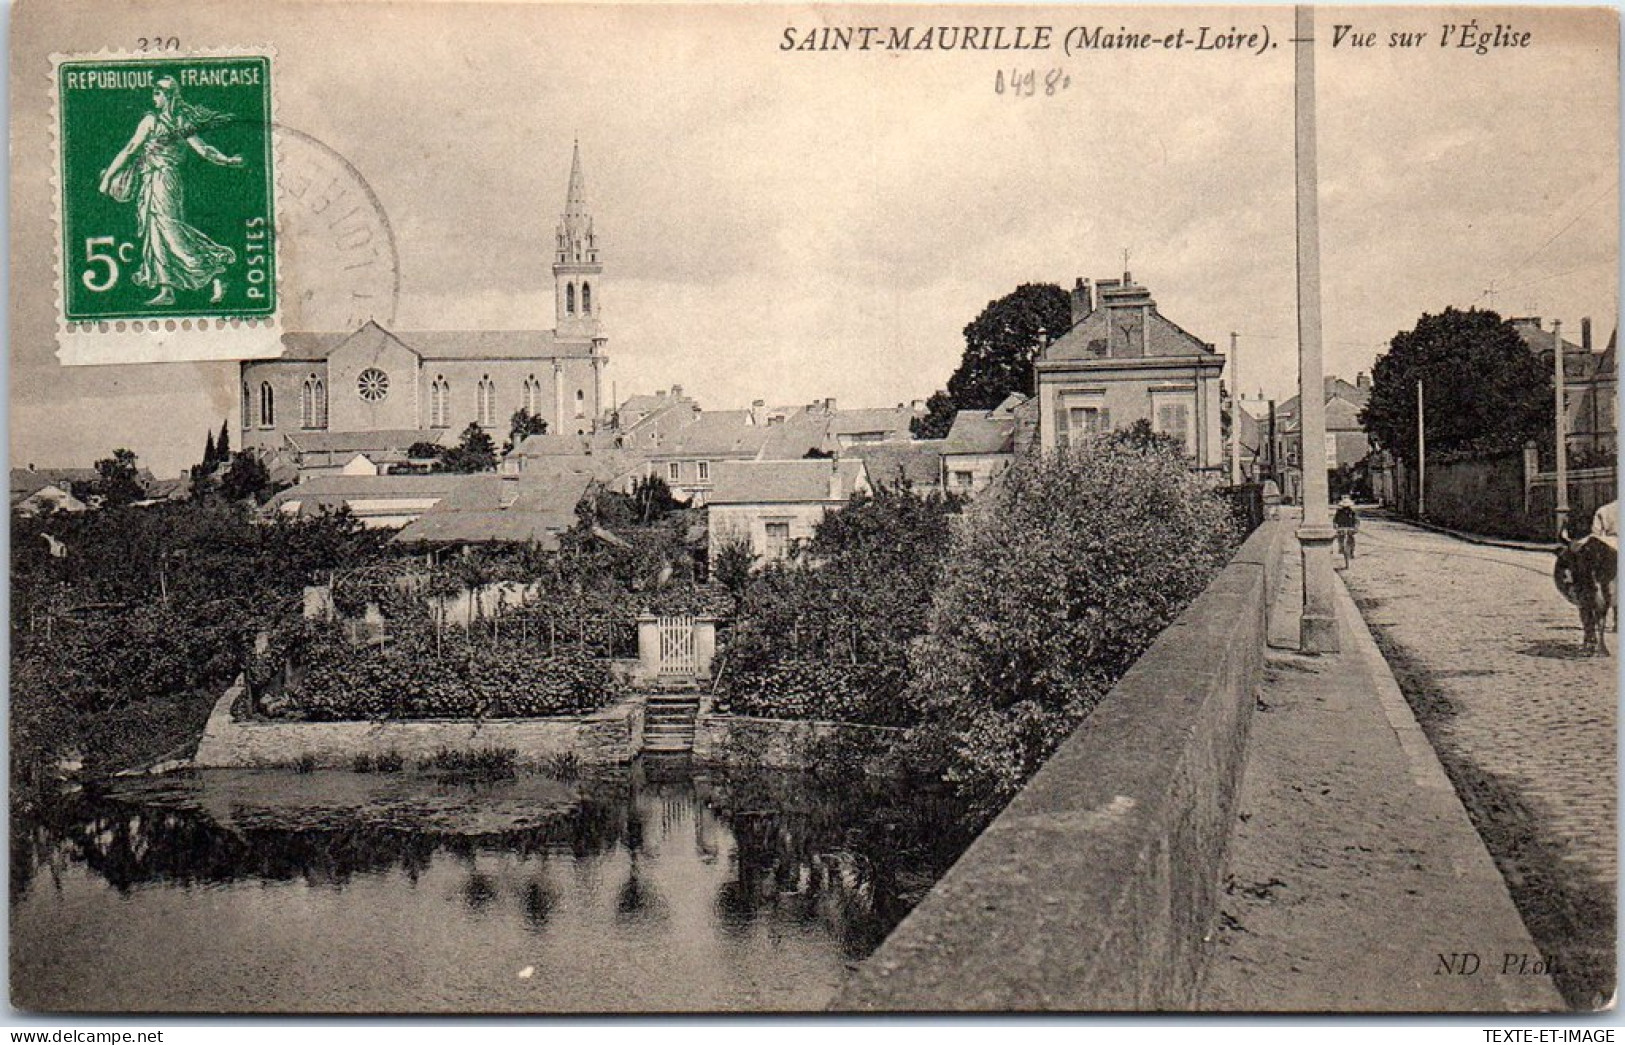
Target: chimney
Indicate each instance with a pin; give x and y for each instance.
(917, 406)
(834, 479)
(1585, 334)
(1362, 380)
(660, 393)
(757, 406)
(829, 404)
(509, 492)
(1083, 301)
(677, 391)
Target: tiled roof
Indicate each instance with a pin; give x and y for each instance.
(496, 508)
(440, 344)
(25, 481)
(917, 460)
(784, 482)
(880, 419)
(331, 492)
(716, 433)
(981, 432)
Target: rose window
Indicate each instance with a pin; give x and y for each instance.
(372, 385)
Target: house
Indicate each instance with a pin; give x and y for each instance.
(377, 501)
(1590, 382)
(376, 452)
(30, 481)
(687, 460)
(979, 446)
(496, 509)
(646, 421)
(374, 380)
(593, 456)
(875, 425)
(1346, 441)
(49, 498)
(1123, 362)
(776, 505)
(917, 462)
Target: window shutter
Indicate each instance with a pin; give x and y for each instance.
(1105, 420)
(1061, 435)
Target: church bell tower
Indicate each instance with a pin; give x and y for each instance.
(577, 298)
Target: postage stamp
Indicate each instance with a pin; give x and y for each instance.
(166, 187)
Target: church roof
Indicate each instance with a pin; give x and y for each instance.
(433, 345)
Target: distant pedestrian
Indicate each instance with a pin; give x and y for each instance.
(1346, 520)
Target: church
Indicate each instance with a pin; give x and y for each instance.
(399, 384)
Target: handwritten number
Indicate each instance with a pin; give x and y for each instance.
(158, 43)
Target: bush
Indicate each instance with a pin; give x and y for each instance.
(873, 694)
(458, 676)
(1060, 577)
(491, 763)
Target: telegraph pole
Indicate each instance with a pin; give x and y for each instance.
(1318, 631)
(1562, 430)
(1421, 456)
(1235, 414)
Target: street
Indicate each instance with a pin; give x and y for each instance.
(1488, 655)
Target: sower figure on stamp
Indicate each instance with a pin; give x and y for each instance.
(174, 255)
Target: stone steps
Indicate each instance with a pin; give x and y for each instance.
(669, 721)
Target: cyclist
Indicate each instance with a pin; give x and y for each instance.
(1347, 520)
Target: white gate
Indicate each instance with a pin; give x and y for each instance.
(677, 653)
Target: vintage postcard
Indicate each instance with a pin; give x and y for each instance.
(534, 508)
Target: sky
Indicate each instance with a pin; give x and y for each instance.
(790, 226)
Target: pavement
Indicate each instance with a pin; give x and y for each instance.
(1357, 881)
(1524, 722)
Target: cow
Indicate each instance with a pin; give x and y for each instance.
(1584, 573)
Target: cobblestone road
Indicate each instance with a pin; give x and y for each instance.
(1488, 654)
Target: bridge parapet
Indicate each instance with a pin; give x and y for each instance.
(1097, 886)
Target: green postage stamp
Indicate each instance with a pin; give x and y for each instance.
(166, 196)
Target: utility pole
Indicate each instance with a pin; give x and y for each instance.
(1317, 633)
(1274, 474)
(1562, 441)
(1421, 456)
(1235, 414)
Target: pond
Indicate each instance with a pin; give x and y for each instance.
(658, 887)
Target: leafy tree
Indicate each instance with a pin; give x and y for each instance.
(247, 477)
(1056, 581)
(117, 482)
(475, 452)
(937, 419)
(1483, 389)
(523, 423)
(424, 451)
(1001, 345)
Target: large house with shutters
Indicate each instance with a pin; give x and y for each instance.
(438, 382)
(1122, 361)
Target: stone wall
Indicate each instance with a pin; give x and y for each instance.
(608, 736)
(1097, 885)
(777, 743)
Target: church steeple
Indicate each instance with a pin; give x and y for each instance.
(578, 298)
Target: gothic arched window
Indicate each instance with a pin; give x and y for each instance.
(247, 401)
(313, 403)
(570, 298)
(267, 405)
(487, 402)
(533, 395)
(439, 403)
(581, 403)
(586, 297)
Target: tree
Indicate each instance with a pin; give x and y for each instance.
(246, 477)
(1001, 346)
(222, 445)
(1483, 389)
(117, 481)
(937, 419)
(423, 450)
(474, 452)
(210, 458)
(1055, 582)
(523, 423)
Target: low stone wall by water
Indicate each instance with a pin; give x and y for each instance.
(1096, 886)
(777, 743)
(608, 736)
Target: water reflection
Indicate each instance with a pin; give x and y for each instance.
(657, 888)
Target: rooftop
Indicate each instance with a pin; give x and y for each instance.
(786, 482)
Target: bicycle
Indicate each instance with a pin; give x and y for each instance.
(1345, 545)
